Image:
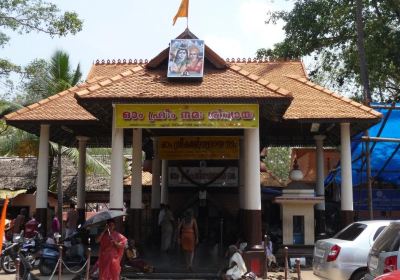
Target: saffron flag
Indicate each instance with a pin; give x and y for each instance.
(183, 10)
(3, 223)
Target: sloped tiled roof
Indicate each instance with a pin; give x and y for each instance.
(141, 83)
(59, 107)
(146, 179)
(107, 69)
(132, 80)
(310, 101)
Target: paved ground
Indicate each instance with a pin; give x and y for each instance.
(305, 275)
(208, 259)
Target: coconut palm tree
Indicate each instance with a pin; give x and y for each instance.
(60, 76)
(45, 79)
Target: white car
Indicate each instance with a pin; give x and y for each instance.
(384, 256)
(344, 256)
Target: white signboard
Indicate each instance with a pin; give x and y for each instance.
(203, 175)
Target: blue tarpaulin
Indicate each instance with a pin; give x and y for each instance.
(385, 156)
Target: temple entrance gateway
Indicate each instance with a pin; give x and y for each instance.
(226, 110)
(201, 161)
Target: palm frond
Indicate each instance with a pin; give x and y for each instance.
(16, 142)
(76, 76)
(93, 165)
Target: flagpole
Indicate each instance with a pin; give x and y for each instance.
(187, 16)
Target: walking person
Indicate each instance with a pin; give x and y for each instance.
(188, 237)
(112, 245)
(167, 229)
(55, 225)
(269, 252)
(19, 223)
(72, 220)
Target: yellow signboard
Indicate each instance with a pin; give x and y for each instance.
(186, 115)
(190, 147)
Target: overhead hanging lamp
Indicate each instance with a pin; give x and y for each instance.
(295, 174)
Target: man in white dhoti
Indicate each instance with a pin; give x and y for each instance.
(237, 267)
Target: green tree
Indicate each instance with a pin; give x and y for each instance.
(45, 78)
(326, 30)
(25, 16)
(277, 160)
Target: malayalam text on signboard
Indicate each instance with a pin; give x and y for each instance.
(186, 115)
(189, 147)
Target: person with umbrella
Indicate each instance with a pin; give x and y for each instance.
(112, 245)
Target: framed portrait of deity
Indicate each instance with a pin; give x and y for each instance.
(186, 58)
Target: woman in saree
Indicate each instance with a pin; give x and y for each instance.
(112, 245)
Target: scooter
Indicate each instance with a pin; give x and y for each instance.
(73, 256)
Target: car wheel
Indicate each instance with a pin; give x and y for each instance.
(359, 275)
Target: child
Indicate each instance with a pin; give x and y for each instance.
(133, 261)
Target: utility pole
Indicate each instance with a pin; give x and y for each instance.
(366, 94)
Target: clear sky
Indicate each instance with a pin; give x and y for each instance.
(140, 29)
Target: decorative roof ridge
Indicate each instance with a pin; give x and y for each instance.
(304, 69)
(107, 81)
(260, 60)
(120, 61)
(48, 99)
(307, 82)
(261, 81)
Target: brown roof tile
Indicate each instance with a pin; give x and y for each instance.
(310, 101)
(325, 103)
(59, 107)
(102, 70)
(134, 84)
(241, 80)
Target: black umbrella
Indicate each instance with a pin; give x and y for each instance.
(102, 217)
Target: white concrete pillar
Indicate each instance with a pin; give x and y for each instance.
(345, 160)
(164, 181)
(241, 174)
(136, 182)
(320, 189)
(252, 189)
(252, 193)
(117, 167)
(155, 174)
(43, 167)
(81, 182)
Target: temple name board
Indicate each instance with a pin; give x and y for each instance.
(198, 148)
(186, 115)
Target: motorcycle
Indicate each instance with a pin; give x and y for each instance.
(73, 255)
(14, 251)
(29, 248)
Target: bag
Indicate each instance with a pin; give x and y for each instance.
(250, 276)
